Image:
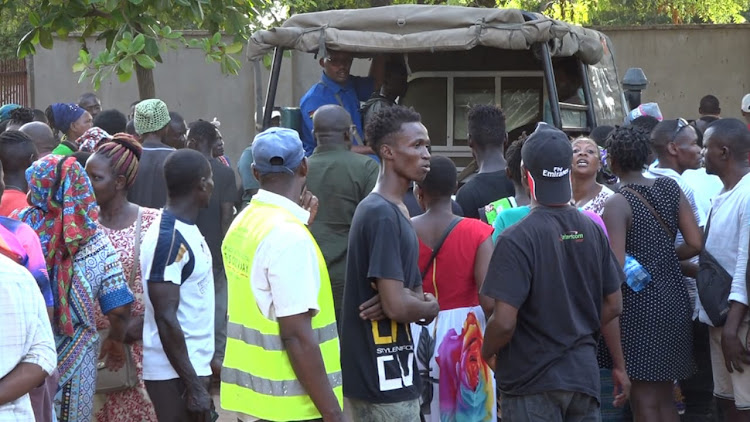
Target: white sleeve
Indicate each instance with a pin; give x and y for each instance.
(293, 272)
(738, 293)
(42, 349)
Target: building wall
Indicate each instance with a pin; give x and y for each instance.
(188, 85)
(682, 64)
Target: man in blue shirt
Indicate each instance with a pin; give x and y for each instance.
(338, 87)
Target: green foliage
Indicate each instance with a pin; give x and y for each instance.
(137, 32)
(637, 12)
(13, 25)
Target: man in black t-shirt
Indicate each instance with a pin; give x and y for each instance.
(383, 289)
(486, 138)
(555, 282)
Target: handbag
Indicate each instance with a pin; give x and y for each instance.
(714, 284)
(107, 380)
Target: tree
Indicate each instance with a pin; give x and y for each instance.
(136, 33)
(13, 26)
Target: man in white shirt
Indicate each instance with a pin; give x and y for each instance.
(726, 147)
(178, 327)
(282, 329)
(675, 143)
(27, 347)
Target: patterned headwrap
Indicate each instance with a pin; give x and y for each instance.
(6, 109)
(123, 152)
(63, 214)
(91, 138)
(65, 114)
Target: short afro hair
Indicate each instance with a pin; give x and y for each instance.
(441, 180)
(111, 121)
(203, 132)
(513, 159)
(183, 170)
(629, 147)
(487, 126)
(646, 122)
(734, 134)
(387, 122)
(709, 105)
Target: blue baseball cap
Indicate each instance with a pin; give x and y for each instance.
(277, 150)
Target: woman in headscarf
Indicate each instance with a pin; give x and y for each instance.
(587, 163)
(112, 170)
(83, 268)
(457, 383)
(70, 120)
(91, 138)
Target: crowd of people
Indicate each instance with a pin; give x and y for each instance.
(349, 277)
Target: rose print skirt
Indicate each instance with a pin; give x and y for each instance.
(456, 383)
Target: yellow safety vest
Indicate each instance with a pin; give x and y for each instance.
(257, 378)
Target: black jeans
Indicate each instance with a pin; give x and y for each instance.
(698, 389)
(169, 402)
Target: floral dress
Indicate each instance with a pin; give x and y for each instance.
(133, 404)
(596, 204)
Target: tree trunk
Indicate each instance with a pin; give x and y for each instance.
(145, 78)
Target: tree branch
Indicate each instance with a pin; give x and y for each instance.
(94, 12)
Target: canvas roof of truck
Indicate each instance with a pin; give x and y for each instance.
(426, 28)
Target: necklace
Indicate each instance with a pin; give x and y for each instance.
(14, 188)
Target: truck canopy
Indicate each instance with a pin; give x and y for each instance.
(427, 28)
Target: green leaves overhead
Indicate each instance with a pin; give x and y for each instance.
(136, 33)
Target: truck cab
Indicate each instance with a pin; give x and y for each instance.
(533, 67)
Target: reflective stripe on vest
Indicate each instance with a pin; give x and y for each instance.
(257, 377)
(271, 387)
(273, 342)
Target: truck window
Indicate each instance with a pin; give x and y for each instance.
(444, 98)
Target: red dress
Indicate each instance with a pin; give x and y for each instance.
(458, 383)
(456, 287)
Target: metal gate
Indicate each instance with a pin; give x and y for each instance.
(14, 82)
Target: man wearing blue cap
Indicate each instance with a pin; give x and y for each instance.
(282, 355)
(559, 261)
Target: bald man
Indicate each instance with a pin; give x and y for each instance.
(42, 137)
(341, 179)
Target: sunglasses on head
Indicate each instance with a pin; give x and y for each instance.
(681, 124)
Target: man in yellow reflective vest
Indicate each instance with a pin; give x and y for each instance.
(282, 354)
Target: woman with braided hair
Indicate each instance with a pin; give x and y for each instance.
(112, 169)
(642, 219)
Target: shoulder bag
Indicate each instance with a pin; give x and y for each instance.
(652, 211)
(439, 245)
(108, 381)
(714, 284)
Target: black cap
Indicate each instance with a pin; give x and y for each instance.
(547, 155)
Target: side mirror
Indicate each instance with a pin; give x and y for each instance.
(633, 83)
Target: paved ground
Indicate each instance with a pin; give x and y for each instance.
(224, 416)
